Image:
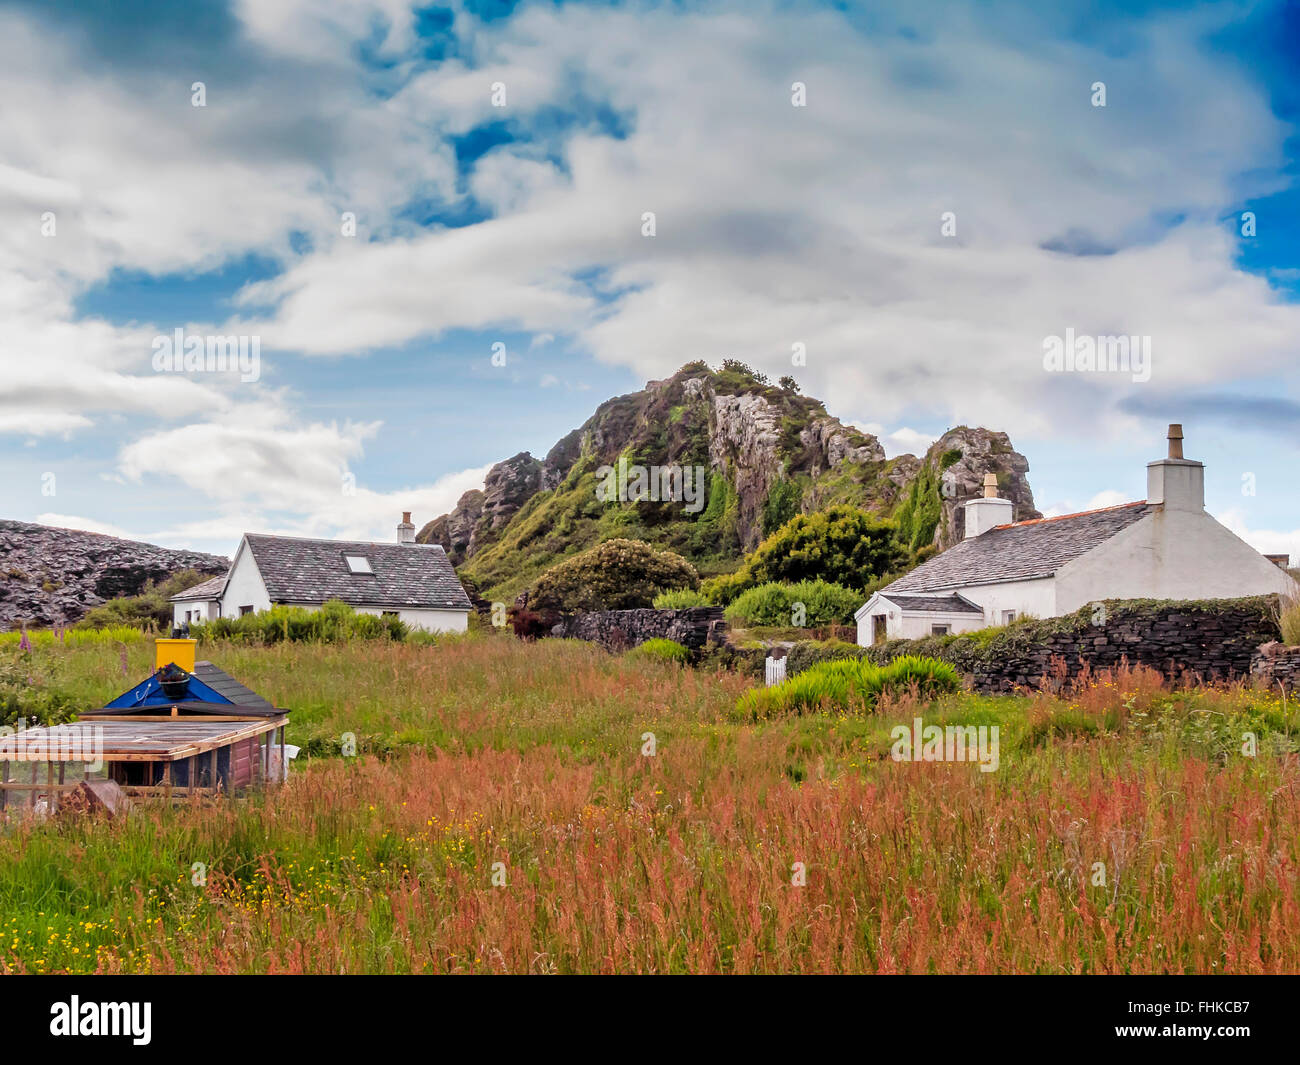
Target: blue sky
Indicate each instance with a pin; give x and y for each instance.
(497, 160)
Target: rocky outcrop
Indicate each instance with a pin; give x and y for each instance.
(480, 514)
(831, 444)
(455, 531)
(768, 450)
(51, 576)
(509, 485)
(961, 458)
(743, 441)
(560, 460)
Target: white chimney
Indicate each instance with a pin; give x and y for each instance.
(406, 531)
(1176, 482)
(983, 514)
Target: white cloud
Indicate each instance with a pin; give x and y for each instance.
(901, 441)
(263, 470)
(821, 225)
(1108, 497)
(72, 521)
(776, 225)
(1265, 541)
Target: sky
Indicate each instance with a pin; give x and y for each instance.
(379, 197)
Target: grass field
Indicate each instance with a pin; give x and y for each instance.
(486, 759)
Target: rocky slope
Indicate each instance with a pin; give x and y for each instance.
(768, 453)
(51, 576)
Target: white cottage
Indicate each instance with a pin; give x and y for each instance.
(414, 581)
(1163, 547)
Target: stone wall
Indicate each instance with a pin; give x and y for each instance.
(617, 630)
(1274, 664)
(1210, 640)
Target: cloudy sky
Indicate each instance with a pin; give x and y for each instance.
(382, 193)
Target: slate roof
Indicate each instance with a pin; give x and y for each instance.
(1020, 551)
(940, 604)
(312, 571)
(209, 589)
(224, 684)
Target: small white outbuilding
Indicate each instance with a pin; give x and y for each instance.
(1163, 547)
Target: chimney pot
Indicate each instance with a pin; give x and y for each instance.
(990, 486)
(1175, 440)
(406, 531)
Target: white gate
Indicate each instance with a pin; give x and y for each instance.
(775, 670)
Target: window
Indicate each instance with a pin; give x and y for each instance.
(940, 630)
(389, 613)
(358, 564)
(245, 610)
(1008, 616)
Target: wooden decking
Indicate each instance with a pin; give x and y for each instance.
(129, 740)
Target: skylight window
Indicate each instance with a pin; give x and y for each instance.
(358, 564)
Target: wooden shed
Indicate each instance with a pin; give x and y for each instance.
(188, 728)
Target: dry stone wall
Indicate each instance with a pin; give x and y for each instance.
(618, 630)
(1210, 640)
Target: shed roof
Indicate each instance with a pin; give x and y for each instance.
(933, 604)
(1019, 551)
(209, 589)
(311, 571)
(210, 691)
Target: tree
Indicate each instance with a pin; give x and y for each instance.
(788, 383)
(841, 544)
(614, 575)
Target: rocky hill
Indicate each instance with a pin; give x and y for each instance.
(766, 452)
(51, 576)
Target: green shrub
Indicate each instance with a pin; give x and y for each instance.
(725, 587)
(681, 599)
(848, 684)
(334, 622)
(919, 513)
(661, 651)
(768, 604)
(842, 545)
(150, 610)
(781, 505)
(807, 653)
(25, 693)
(775, 604)
(614, 575)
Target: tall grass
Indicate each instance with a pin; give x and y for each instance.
(849, 685)
(1288, 621)
(615, 860)
(127, 634)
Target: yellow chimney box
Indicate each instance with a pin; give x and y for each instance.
(180, 652)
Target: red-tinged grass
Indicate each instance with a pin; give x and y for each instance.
(682, 862)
